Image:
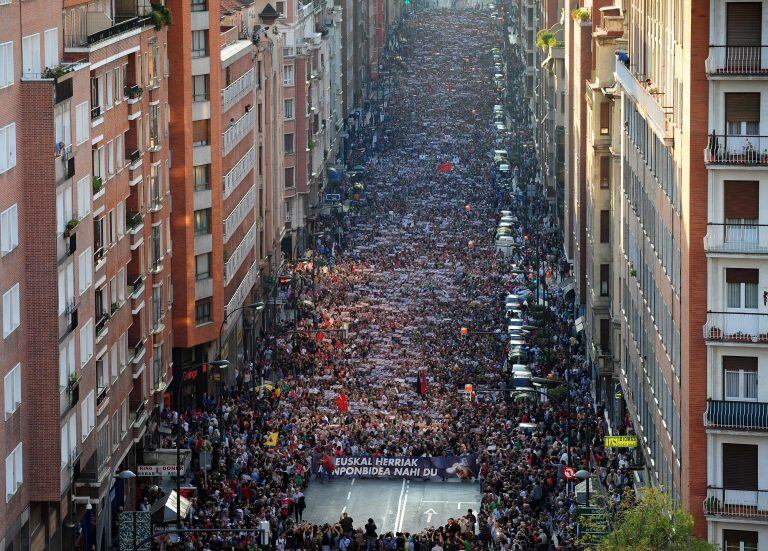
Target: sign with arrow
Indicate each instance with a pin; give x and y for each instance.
(429, 512)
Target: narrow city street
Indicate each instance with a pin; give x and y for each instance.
(418, 394)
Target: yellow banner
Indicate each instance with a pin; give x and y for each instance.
(621, 441)
(271, 441)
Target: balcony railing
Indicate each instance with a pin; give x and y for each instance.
(733, 149)
(659, 116)
(84, 40)
(237, 130)
(736, 238)
(736, 415)
(724, 502)
(235, 91)
(737, 60)
(748, 327)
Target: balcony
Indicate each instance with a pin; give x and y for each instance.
(100, 27)
(101, 326)
(746, 504)
(237, 130)
(743, 327)
(737, 61)
(658, 116)
(237, 90)
(736, 238)
(732, 149)
(68, 320)
(233, 178)
(99, 258)
(736, 415)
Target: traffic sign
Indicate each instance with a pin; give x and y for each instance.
(332, 197)
(620, 442)
(569, 473)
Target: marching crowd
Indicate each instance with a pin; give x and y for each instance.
(378, 366)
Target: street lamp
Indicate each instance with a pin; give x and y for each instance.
(222, 364)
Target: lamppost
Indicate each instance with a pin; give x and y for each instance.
(122, 475)
(256, 307)
(222, 364)
(584, 475)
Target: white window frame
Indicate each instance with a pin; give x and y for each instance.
(84, 188)
(30, 53)
(7, 74)
(82, 122)
(51, 44)
(288, 76)
(9, 229)
(12, 390)
(85, 270)
(86, 342)
(7, 147)
(14, 472)
(66, 362)
(11, 310)
(88, 415)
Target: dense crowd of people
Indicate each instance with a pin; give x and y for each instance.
(376, 366)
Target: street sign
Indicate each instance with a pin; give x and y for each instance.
(620, 441)
(569, 473)
(157, 470)
(332, 197)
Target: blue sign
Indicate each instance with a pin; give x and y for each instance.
(332, 198)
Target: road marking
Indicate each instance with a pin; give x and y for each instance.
(344, 510)
(353, 482)
(349, 494)
(399, 527)
(399, 505)
(429, 512)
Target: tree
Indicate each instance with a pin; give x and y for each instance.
(654, 523)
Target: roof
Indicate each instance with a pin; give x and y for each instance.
(269, 12)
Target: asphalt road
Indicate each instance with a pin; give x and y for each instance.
(394, 505)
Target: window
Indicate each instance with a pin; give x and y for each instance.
(605, 118)
(288, 75)
(605, 172)
(110, 159)
(123, 351)
(82, 123)
(102, 445)
(199, 5)
(67, 367)
(741, 286)
(288, 108)
(741, 208)
(9, 229)
(203, 266)
(604, 279)
(120, 151)
(30, 53)
(605, 335)
(740, 377)
(202, 177)
(120, 219)
(51, 47)
(605, 226)
(64, 211)
(88, 414)
(288, 143)
(85, 270)
(7, 147)
(6, 64)
(114, 366)
(110, 83)
(115, 430)
(124, 417)
(62, 127)
(12, 390)
(84, 186)
(203, 311)
(280, 7)
(742, 113)
(69, 441)
(199, 44)
(119, 89)
(289, 177)
(739, 467)
(11, 310)
(86, 342)
(200, 88)
(202, 221)
(66, 287)
(200, 133)
(14, 472)
(739, 540)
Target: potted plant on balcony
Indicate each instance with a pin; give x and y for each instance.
(581, 14)
(545, 39)
(715, 333)
(114, 307)
(160, 15)
(70, 227)
(73, 380)
(711, 505)
(135, 92)
(98, 184)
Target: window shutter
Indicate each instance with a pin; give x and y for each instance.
(743, 23)
(737, 363)
(742, 107)
(741, 275)
(741, 200)
(739, 467)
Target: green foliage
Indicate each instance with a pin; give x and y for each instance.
(582, 14)
(557, 395)
(160, 15)
(654, 523)
(545, 39)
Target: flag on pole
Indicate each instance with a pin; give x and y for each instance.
(342, 403)
(444, 167)
(271, 440)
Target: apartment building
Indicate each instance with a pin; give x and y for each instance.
(736, 326)
(74, 299)
(658, 218)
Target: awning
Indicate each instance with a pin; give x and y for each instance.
(334, 175)
(164, 509)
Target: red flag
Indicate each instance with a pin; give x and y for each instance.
(444, 167)
(423, 384)
(341, 403)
